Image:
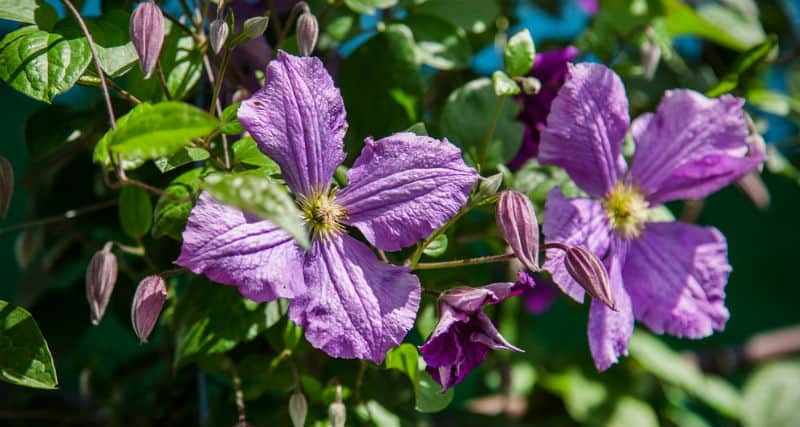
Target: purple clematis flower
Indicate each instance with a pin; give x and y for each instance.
(400, 189)
(549, 68)
(464, 334)
(671, 276)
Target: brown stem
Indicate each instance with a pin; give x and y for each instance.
(292, 16)
(125, 94)
(238, 393)
(163, 80)
(70, 214)
(111, 119)
(463, 262)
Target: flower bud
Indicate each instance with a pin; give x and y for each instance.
(516, 220)
(590, 273)
(101, 276)
(337, 414)
(255, 27)
(650, 55)
(298, 409)
(6, 185)
(147, 304)
(307, 32)
(217, 34)
(147, 34)
(530, 85)
(488, 186)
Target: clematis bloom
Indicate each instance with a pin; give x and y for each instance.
(464, 334)
(402, 187)
(671, 276)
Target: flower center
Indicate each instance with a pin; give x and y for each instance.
(322, 215)
(626, 209)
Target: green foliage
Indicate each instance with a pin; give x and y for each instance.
(28, 11)
(135, 211)
(41, 64)
(369, 6)
(772, 395)
(519, 54)
(437, 247)
(111, 40)
(476, 18)
(230, 124)
(744, 64)
(25, 358)
(246, 151)
(439, 43)
(171, 213)
(181, 157)
(503, 85)
(407, 360)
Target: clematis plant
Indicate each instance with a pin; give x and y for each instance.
(400, 188)
(671, 276)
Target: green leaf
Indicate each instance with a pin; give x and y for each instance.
(746, 62)
(183, 156)
(503, 85)
(246, 151)
(25, 358)
(439, 43)
(744, 27)
(630, 411)
(369, 6)
(291, 335)
(41, 64)
(170, 215)
(406, 359)
(182, 63)
(429, 396)
(55, 129)
(772, 395)
(519, 54)
(581, 395)
(466, 117)
(386, 65)
(683, 20)
(135, 211)
(152, 131)
(437, 247)
(670, 367)
(536, 181)
(256, 193)
(230, 123)
(111, 40)
(478, 17)
(418, 129)
(29, 11)
(375, 413)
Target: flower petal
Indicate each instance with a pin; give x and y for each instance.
(586, 126)
(234, 248)
(539, 294)
(298, 120)
(676, 275)
(404, 186)
(609, 330)
(573, 222)
(356, 306)
(691, 147)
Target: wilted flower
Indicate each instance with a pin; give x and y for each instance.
(307, 32)
(147, 34)
(669, 275)
(6, 185)
(298, 409)
(401, 188)
(518, 226)
(549, 68)
(101, 276)
(464, 334)
(147, 304)
(217, 34)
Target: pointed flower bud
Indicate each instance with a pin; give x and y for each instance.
(590, 273)
(307, 32)
(147, 304)
(516, 220)
(101, 276)
(147, 34)
(298, 409)
(488, 186)
(6, 185)
(255, 27)
(337, 412)
(217, 34)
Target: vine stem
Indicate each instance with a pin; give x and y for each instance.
(414, 258)
(463, 262)
(489, 131)
(70, 214)
(237, 392)
(215, 102)
(111, 119)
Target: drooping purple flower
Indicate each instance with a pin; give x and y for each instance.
(671, 276)
(549, 68)
(464, 334)
(400, 189)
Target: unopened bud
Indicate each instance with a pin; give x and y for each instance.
(217, 34)
(307, 32)
(337, 414)
(147, 304)
(147, 34)
(101, 276)
(590, 273)
(518, 226)
(298, 409)
(6, 185)
(488, 186)
(650, 55)
(255, 27)
(530, 85)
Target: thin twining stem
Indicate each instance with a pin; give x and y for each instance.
(70, 214)
(217, 104)
(111, 119)
(489, 132)
(414, 258)
(463, 262)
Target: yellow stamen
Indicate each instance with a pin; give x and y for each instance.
(626, 209)
(322, 215)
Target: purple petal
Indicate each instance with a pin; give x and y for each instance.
(609, 330)
(298, 120)
(573, 222)
(691, 147)
(676, 275)
(404, 186)
(356, 306)
(586, 127)
(539, 294)
(471, 300)
(234, 248)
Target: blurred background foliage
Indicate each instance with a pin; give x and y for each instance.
(398, 66)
